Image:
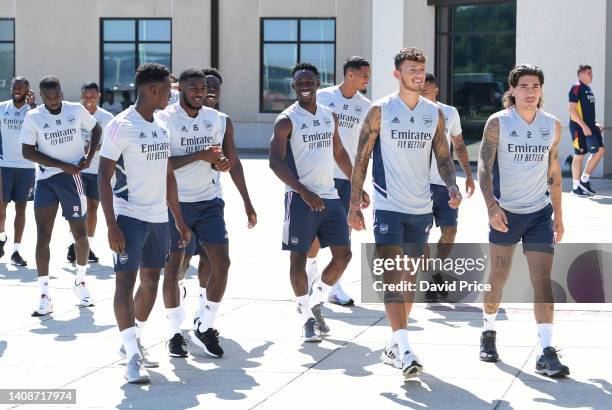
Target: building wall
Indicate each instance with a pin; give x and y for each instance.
(558, 48)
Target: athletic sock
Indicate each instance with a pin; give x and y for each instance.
(311, 271)
(545, 334)
(139, 327)
(71, 240)
(16, 247)
(90, 239)
(43, 284)
(128, 338)
(304, 306)
(202, 300)
(391, 341)
(208, 315)
(174, 320)
(320, 292)
(3, 237)
(401, 338)
(80, 272)
(585, 177)
(488, 321)
(575, 183)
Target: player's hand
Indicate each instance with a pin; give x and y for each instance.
(84, 163)
(251, 215)
(71, 169)
(223, 165)
(211, 154)
(31, 98)
(470, 186)
(587, 131)
(355, 219)
(599, 127)
(185, 235)
(313, 200)
(558, 229)
(497, 218)
(116, 240)
(365, 199)
(455, 197)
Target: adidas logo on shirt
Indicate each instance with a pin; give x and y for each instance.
(331, 104)
(395, 121)
(46, 125)
(513, 134)
(304, 126)
(184, 129)
(142, 135)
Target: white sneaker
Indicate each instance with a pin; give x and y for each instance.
(338, 296)
(45, 306)
(411, 365)
(391, 356)
(80, 290)
(135, 371)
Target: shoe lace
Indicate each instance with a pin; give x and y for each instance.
(554, 353)
(213, 335)
(489, 343)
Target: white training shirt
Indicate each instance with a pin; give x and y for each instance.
(11, 120)
(401, 156)
(520, 173)
(197, 181)
(351, 113)
(310, 149)
(141, 150)
(57, 136)
(103, 117)
(453, 128)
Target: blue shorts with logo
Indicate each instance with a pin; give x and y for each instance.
(535, 230)
(401, 229)
(583, 144)
(206, 221)
(443, 214)
(64, 189)
(343, 186)
(146, 244)
(90, 184)
(302, 224)
(17, 184)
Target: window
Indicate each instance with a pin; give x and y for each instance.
(7, 57)
(128, 43)
(286, 41)
(475, 51)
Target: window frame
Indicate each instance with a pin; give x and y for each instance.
(298, 42)
(14, 48)
(136, 42)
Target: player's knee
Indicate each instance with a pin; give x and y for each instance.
(448, 234)
(343, 258)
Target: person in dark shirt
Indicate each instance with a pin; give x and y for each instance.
(586, 132)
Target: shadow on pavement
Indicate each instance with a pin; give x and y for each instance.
(23, 274)
(67, 330)
(335, 358)
(457, 315)
(2, 347)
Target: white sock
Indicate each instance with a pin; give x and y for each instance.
(139, 327)
(208, 315)
(203, 300)
(16, 247)
(575, 183)
(174, 320)
(304, 304)
(320, 292)
(311, 271)
(71, 239)
(128, 338)
(391, 341)
(488, 321)
(401, 338)
(80, 272)
(43, 284)
(545, 334)
(3, 237)
(585, 177)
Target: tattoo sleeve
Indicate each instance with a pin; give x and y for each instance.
(554, 172)
(486, 158)
(439, 144)
(462, 154)
(367, 139)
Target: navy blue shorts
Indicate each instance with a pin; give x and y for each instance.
(63, 189)
(343, 186)
(583, 144)
(146, 245)
(443, 214)
(90, 183)
(17, 184)
(534, 229)
(407, 230)
(302, 224)
(205, 219)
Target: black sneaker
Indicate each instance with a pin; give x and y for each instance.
(17, 260)
(177, 346)
(580, 192)
(92, 257)
(2, 243)
(208, 341)
(586, 186)
(71, 256)
(488, 350)
(548, 364)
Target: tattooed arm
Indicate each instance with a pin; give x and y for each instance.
(486, 158)
(554, 183)
(462, 154)
(367, 137)
(446, 167)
